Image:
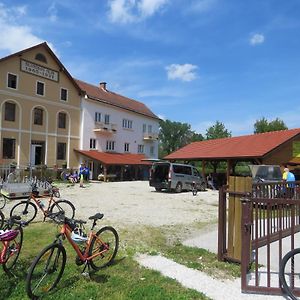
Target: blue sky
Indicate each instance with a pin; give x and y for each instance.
(192, 61)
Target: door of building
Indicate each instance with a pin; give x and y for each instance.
(37, 154)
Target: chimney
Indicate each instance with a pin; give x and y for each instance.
(103, 85)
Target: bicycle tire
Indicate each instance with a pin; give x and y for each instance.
(106, 236)
(2, 201)
(63, 205)
(1, 219)
(13, 252)
(26, 210)
(46, 271)
(287, 275)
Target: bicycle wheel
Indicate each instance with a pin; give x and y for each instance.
(63, 205)
(106, 241)
(26, 210)
(46, 271)
(1, 219)
(289, 273)
(13, 251)
(2, 201)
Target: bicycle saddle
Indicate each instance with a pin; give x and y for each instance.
(97, 216)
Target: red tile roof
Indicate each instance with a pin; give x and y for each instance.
(115, 158)
(248, 146)
(97, 93)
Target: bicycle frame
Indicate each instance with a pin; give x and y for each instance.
(66, 232)
(38, 202)
(3, 257)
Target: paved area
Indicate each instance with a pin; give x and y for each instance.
(199, 281)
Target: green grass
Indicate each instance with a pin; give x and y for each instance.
(125, 279)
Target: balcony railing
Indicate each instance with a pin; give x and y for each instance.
(151, 136)
(102, 128)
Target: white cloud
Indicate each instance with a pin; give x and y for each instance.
(15, 37)
(185, 72)
(201, 6)
(257, 39)
(52, 11)
(130, 11)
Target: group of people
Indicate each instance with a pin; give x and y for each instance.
(83, 174)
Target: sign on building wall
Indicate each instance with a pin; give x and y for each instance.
(38, 70)
(296, 149)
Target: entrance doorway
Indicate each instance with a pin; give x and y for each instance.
(37, 153)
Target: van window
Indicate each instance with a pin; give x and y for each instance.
(196, 172)
(182, 169)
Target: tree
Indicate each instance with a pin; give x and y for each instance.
(263, 125)
(217, 131)
(174, 135)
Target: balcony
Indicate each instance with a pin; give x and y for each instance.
(107, 129)
(151, 136)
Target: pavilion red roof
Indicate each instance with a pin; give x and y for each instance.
(115, 158)
(248, 146)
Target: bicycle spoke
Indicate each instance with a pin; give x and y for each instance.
(46, 270)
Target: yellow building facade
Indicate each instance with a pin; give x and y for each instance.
(39, 110)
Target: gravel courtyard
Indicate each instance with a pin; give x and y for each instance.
(135, 202)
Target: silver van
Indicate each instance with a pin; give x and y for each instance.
(175, 177)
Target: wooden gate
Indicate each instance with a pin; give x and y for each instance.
(269, 225)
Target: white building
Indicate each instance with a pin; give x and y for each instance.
(116, 134)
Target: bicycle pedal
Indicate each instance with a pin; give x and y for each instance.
(86, 275)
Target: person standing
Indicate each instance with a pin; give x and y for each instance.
(289, 178)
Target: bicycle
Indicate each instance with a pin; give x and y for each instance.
(289, 273)
(11, 237)
(27, 209)
(1, 219)
(95, 249)
(194, 188)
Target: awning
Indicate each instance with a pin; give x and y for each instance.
(294, 161)
(115, 158)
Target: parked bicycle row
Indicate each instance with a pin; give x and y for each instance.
(95, 249)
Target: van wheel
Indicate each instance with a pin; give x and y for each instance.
(158, 189)
(178, 188)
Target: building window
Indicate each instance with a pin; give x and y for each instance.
(97, 117)
(12, 81)
(140, 148)
(61, 151)
(110, 145)
(9, 147)
(106, 119)
(40, 88)
(126, 147)
(149, 128)
(62, 120)
(92, 143)
(38, 116)
(144, 128)
(41, 57)
(10, 111)
(63, 94)
(151, 150)
(127, 124)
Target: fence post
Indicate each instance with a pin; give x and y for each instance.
(246, 226)
(222, 223)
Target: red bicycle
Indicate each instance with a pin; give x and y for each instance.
(11, 237)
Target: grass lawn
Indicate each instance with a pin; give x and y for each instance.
(125, 279)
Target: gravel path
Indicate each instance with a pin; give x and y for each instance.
(134, 202)
(199, 281)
